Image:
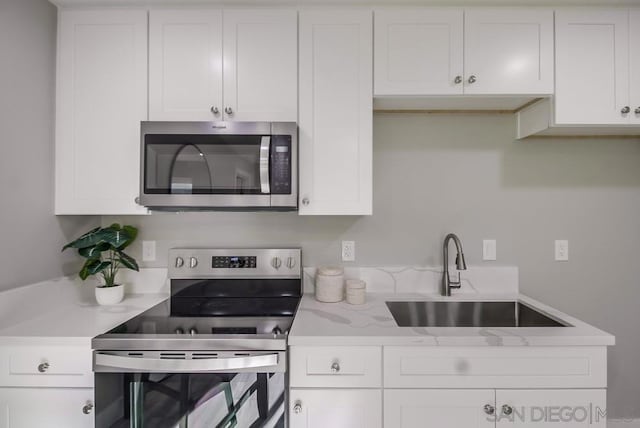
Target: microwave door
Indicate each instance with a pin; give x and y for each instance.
(190, 171)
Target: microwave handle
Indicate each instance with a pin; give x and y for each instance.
(151, 365)
(265, 152)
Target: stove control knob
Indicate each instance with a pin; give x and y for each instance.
(179, 262)
(193, 262)
(276, 262)
(179, 330)
(193, 331)
(276, 330)
(291, 262)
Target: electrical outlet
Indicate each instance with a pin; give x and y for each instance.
(562, 250)
(348, 251)
(489, 249)
(148, 251)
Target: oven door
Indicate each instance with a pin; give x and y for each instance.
(196, 389)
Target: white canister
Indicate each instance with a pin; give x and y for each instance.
(330, 284)
(356, 291)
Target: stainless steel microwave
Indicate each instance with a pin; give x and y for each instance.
(219, 165)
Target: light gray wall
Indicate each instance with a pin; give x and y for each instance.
(31, 236)
(439, 173)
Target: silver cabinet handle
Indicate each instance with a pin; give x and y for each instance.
(297, 408)
(489, 409)
(43, 367)
(507, 409)
(458, 80)
(472, 79)
(215, 110)
(88, 408)
(637, 110)
(625, 110)
(305, 201)
(335, 367)
(228, 110)
(193, 262)
(157, 365)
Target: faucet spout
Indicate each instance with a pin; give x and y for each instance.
(461, 264)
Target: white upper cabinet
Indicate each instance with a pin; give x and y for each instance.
(101, 99)
(185, 65)
(223, 65)
(592, 66)
(508, 51)
(418, 52)
(336, 112)
(634, 28)
(453, 51)
(261, 65)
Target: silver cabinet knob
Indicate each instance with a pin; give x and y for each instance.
(625, 110)
(297, 408)
(489, 409)
(215, 110)
(291, 262)
(43, 367)
(458, 80)
(179, 262)
(637, 110)
(305, 201)
(88, 408)
(472, 79)
(276, 262)
(335, 367)
(193, 262)
(507, 409)
(228, 110)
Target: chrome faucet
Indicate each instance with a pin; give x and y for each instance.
(447, 284)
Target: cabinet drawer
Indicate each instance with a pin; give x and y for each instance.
(65, 366)
(495, 367)
(341, 367)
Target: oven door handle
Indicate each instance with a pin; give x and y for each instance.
(150, 365)
(265, 154)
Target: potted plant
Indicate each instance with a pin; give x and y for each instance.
(103, 249)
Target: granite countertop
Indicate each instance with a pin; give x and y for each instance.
(342, 324)
(64, 312)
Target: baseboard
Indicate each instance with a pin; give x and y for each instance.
(623, 423)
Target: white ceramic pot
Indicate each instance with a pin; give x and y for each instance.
(110, 295)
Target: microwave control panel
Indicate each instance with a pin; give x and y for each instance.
(280, 164)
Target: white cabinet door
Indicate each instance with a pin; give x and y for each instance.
(634, 28)
(185, 65)
(335, 408)
(592, 66)
(260, 65)
(46, 407)
(336, 112)
(451, 408)
(101, 99)
(418, 52)
(569, 408)
(509, 51)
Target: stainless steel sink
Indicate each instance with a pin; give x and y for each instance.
(469, 314)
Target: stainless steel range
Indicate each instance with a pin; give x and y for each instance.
(213, 354)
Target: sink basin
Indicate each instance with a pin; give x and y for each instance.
(469, 314)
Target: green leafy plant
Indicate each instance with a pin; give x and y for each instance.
(103, 247)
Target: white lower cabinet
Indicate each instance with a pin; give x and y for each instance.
(451, 408)
(335, 408)
(46, 407)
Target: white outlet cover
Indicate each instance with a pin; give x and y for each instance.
(489, 249)
(562, 250)
(148, 251)
(348, 251)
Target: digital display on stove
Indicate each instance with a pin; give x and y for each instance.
(233, 262)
